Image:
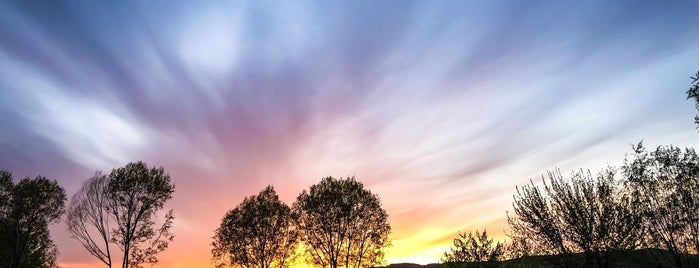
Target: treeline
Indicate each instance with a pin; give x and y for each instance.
(651, 202)
(112, 216)
(335, 223)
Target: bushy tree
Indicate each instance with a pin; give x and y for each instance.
(473, 250)
(120, 209)
(342, 224)
(26, 211)
(587, 214)
(667, 183)
(258, 233)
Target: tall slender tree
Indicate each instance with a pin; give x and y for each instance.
(136, 193)
(88, 220)
(122, 208)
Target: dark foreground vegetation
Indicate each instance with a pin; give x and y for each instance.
(643, 213)
(622, 259)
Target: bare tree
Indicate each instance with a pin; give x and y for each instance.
(120, 209)
(667, 183)
(342, 224)
(258, 233)
(535, 223)
(87, 219)
(518, 247)
(584, 214)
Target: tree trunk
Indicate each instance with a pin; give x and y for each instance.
(677, 257)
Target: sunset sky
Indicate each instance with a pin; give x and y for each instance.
(439, 107)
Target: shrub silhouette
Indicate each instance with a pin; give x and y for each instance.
(473, 250)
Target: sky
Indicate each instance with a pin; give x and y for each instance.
(441, 108)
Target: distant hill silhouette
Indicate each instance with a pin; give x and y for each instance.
(413, 265)
(622, 259)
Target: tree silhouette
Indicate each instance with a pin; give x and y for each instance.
(518, 247)
(473, 250)
(120, 209)
(342, 224)
(26, 211)
(667, 183)
(584, 214)
(693, 93)
(88, 220)
(258, 233)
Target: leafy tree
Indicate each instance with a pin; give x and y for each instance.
(693, 93)
(342, 224)
(258, 233)
(667, 183)
(584, 214)
(26, 211)
(473, 250)
(120, 209)
(5, 193)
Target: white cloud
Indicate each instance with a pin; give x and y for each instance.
(212, 40)
(96, 134)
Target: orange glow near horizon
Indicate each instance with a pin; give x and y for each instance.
(424, 246)
(420, 233)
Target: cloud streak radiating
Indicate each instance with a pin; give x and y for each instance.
(440, 108)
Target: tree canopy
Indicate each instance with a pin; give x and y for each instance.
(342, 224)
(26, 211)
(258, 233)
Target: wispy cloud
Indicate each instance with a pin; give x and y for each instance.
(441, 108)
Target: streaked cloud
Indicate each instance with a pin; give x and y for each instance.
(440, 108)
